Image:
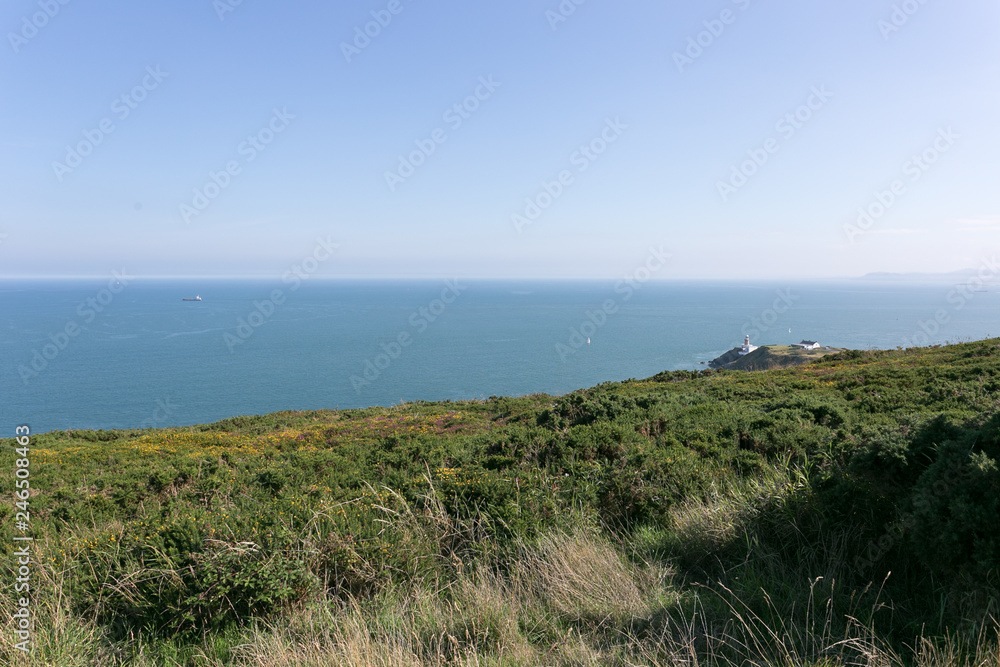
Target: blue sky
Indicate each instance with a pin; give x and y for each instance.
(688, 148)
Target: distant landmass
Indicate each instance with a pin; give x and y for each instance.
(767, 357)
(951, 276)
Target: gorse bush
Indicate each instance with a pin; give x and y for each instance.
(956, 507)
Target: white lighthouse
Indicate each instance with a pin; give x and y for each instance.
(747, 347)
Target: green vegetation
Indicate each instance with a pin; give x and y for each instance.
(770, 357)
(843, 512)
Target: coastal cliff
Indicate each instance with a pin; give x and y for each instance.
(768, 357)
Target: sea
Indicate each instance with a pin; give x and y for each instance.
(112, 354)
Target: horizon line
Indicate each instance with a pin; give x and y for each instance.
(881, 276)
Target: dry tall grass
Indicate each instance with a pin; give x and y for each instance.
(567, 599)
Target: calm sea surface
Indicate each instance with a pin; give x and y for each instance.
(76, 354)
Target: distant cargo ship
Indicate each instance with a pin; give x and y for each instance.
(197, 298)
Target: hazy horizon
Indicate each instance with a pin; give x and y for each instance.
(963, 275)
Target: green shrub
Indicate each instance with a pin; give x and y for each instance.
(956, 510)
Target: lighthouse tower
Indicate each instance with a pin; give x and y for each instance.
(747, 347)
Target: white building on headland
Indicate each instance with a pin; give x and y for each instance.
(807, 345)
(747, 347)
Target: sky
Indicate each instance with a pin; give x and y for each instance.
(517, 139)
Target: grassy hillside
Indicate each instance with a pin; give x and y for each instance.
(841, 512)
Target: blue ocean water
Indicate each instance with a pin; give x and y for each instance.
(92, 354)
